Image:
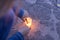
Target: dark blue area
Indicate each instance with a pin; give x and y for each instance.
(5, 27)
(21, 13)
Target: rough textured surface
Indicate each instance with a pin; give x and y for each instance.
(47, 15)
(40, 12)
(58, 28)
(56, 12)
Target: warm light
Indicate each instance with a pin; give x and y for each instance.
(28, 21)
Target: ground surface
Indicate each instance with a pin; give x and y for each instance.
(49, 15)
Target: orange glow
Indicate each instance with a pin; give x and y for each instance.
(28, 21)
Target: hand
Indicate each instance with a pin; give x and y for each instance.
(23, 13)
(22, 28)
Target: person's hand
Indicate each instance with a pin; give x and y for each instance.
(23, 29)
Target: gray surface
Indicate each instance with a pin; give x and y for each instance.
(48, 15)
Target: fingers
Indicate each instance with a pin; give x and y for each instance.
(22, 28)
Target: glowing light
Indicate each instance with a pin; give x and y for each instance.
(28, 21)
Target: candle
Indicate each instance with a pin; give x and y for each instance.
(28, 21)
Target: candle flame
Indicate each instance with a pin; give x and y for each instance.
(28, 21)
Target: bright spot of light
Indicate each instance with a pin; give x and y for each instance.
(28, 21)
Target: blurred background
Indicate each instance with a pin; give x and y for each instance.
(47, 13)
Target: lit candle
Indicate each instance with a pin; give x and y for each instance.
(28, 21)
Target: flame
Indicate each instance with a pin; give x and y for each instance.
(28, 21)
